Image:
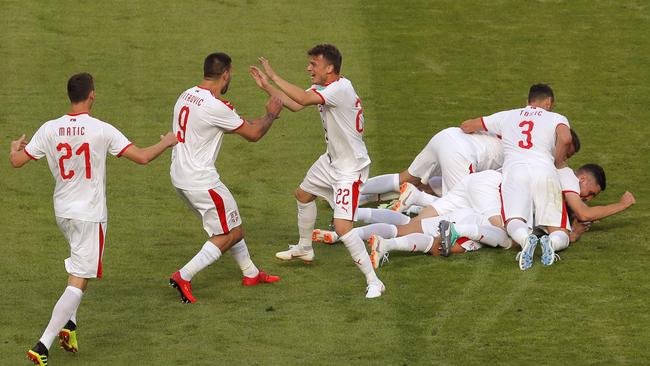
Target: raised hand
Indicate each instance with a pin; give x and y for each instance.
(274, 106)
(267, 67)
(169, 139)
(260, 78)
(19, 144)
(628, 199)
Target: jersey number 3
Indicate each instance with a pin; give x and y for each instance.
(67, 154)
(183, 115)
(528, 128)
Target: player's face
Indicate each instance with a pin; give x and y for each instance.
(228, 76)
(318, 68)
(588, 187)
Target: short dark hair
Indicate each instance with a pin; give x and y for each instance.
(540, 92)
(329, 53)
(597, 172)
(215, 65)
(575, 140)
(79, 87)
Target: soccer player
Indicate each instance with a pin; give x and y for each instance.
(536, 141)
(200, 120)
(338, 174)
(451, 154)
(75, 146)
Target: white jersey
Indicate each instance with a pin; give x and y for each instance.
(528, 134)
(569, 181)
(199, 123)
(342, 117)
(483, 148)
(76, 146)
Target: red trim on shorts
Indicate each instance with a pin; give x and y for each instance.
(30, 155)
(483, 123)
(240, 126)
(123, 150)
(471, 169)
(100, 271)
(221, 209)
(565, 215)
(320, 95)
(355, 196)
(503, 212)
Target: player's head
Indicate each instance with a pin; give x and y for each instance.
(324, 63)
(541, 95)
(575, 144)
(81, 88)
(216, 67)
(592, 181)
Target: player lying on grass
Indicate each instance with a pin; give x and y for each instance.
(200, 121)
(339, 173)
(75, 146)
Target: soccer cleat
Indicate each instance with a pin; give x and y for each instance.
(548, 253)
(375, 289)
(525, 257)
(324, 236)
(261, 277)
(377, 256)
(38, 354)
(448, 236)
(297, 252)
(184, 287)
(68, 340)
(405, 191)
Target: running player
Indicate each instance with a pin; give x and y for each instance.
(200, 121)
(75, 146)
(339, 173)
(536, 141)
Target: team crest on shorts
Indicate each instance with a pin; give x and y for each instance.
(233, 217)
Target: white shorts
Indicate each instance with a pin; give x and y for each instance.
(430, 226)
(533, 192)
(478, 191)
(340, 189)
(444, 156)
(216, 207)
(86, 240)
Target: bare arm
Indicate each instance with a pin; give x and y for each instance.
(562, 145)
(472, 125)
(145, 155)
(263, 83)
(254, 130)
(297, 94)
(584, 212)
(17, 155)
(578, 229)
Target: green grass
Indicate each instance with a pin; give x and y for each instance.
(418, 66)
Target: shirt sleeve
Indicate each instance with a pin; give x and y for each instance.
(116, 142)
(37, 146)
(568, 181)
(331, 95)
(494, 122)
(561, 120)
(225, 117)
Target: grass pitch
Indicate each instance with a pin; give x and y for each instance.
(418, 66)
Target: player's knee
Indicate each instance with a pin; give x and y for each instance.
(303, 196)
(342, 227)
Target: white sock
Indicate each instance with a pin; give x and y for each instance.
(208, 254)
(518, 231)
(436, 185)
(486, 234)
(383, 230)
(359, 255)
(381, 215)
(63, 310)
(415, 242)
(306, 221)
(559, 240)
(73, 317)
(420, 198)
(240, 253)
(381, 184)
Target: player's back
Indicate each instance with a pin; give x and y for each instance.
(76, 147)
(528, 134)
(199, 122)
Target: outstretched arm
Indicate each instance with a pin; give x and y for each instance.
(254, 130)
(262, 82)
(297, 94)
(145, 155)
(584, 212)
(17, 155)
(472, 125)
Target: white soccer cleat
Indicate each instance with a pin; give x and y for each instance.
(548, 253)
(375, 289)
(525, 257)
(324, 236)
(405, 192)
(296, 252)
(377, 256)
